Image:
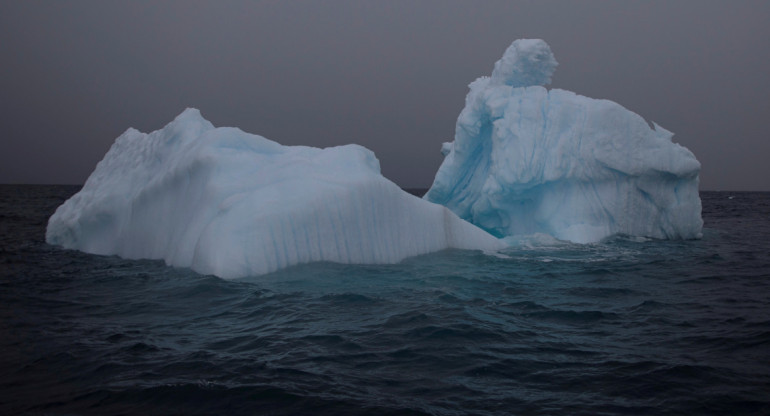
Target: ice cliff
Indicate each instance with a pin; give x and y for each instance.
(233, 204)
(528, 160)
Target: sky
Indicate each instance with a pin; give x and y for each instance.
(389, 75)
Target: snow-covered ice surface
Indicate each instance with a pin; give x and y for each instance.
(233, 204)
(529, 160)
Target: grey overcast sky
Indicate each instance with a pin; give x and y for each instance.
(390, 75)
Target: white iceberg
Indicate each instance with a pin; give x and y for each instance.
(233, 204)
(527, 160)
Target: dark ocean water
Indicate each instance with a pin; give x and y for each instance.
(622, 327)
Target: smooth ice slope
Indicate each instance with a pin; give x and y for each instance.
(528, 160)
(233, 204)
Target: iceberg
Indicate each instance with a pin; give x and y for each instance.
(224, 202)
(527, 160)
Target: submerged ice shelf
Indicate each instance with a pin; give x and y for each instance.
(528, 160)
(233, 204)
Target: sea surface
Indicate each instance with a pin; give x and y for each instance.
(627, 326)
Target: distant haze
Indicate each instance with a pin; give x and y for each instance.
(389, 75)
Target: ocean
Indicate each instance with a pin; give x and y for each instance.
(626, 326)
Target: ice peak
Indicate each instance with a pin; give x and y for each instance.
(189, 122)
(190, 114)
(525, 63)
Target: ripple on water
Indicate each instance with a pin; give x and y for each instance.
(620, 327)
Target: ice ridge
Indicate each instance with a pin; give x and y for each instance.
(233, 204)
